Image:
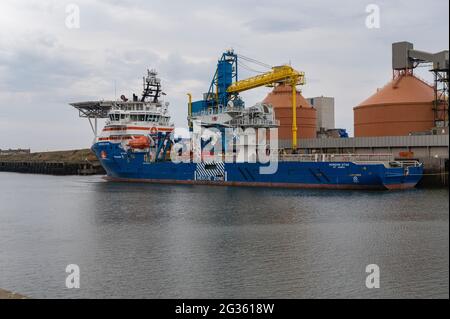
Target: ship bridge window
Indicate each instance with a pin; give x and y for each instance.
(141, 117)
(133, 117)
(122, 116)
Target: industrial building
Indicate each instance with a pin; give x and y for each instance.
(281, 100)
(325, 112)
(406, 105)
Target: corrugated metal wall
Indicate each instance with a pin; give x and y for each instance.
(384, 141)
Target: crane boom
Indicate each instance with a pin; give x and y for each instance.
(225, 87)
(283, 73)
(278, 74)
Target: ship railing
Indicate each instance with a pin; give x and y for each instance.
(357, 158)
(232, 158)
(405, 163)
(219, 110)
(386, 159)
(128, 122)
(254, 122)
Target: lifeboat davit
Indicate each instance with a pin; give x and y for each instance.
(139, 142)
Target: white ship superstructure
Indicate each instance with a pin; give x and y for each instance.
(128, 119)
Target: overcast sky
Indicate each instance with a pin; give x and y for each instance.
(44, 65)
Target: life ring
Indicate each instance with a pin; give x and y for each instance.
(103, 154)
(153, 130)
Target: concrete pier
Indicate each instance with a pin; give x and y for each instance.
(52, 168)
(76, 162)
(4, 294)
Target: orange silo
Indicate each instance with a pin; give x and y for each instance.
(281, 100)
(402, 106)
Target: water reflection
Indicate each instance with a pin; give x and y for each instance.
(142, 240)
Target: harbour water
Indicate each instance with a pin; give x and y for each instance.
(161, 241)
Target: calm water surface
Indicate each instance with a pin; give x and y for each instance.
(159, 241)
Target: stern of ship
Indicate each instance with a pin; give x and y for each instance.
(403, 175)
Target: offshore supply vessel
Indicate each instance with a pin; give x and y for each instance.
(229, 144)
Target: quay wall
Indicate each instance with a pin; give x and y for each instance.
(75, 162)
(52, 168)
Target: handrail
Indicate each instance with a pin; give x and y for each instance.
(353, 158)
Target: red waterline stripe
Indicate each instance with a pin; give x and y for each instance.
(400, 186)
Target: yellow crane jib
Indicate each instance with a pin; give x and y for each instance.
(283, 73)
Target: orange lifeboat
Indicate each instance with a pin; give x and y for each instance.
(139, 142)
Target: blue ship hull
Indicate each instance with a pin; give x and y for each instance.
(127, 166)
